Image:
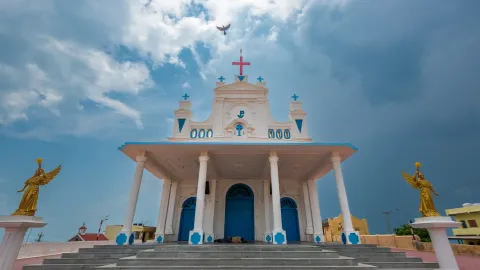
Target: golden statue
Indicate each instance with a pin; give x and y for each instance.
(28, 205)
(418, 181)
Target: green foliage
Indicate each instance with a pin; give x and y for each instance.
(405, 230)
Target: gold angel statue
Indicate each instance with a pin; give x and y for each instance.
(28, 205)
(418, 181)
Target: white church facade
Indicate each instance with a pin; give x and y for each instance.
(240, 173)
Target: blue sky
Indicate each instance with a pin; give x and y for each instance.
(399, 79)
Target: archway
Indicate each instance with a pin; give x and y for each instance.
(239, 212)
(290, 219)
(187, 218)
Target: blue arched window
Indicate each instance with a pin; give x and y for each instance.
(288, 203)
(190, 203)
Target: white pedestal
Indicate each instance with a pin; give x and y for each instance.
(195, 237)
(15, 229)
(436, 227)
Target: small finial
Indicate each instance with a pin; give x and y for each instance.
(185, 97)
(295, 97)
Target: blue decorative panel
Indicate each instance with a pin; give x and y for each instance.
(299, 124)
(279, 134)
(121, 239)
(201, 133)
(290, 219)
(193, 133)
(354, 239)
(318, 239)
(187, 218)
(209, 133)
(241, 78)
(209, 239)
(239, 128)
(181, 123)
(131, 239)
(271, 133)
(159, 239)
(241, 114)
(268, 238)
(344, 239)
(279, 238)
(196, 238)
(286, 134)
(239, 212)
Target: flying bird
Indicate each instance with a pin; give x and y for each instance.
(223, 28)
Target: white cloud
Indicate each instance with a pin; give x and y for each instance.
(186, 85)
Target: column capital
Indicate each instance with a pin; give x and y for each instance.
(141, 158)
(203, 158)
(335, 157)
(167, 181)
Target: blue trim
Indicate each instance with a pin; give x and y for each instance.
(271, 133)
(201, 133)
(192, 135)
(241, 143)
(287, 134)
(181, 123)
(241, 78)
(299, 124)
(209, 133)
(279, 134)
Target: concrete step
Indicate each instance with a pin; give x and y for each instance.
(187, 262)
(367, 260)
(61, 267)
(139, 246)
(238, 254)
(112, 250)
(247, 247)
(364, 249)
(409, 265)
(102, 261)
(230, 267)
(99, 255)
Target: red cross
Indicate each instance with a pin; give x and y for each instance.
(241, 63)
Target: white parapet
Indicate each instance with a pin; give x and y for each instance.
(437, 227)
(15, 229)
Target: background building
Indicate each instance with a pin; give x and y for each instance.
(82, 235)
(139, 229)
(333, 226)
(469, 216)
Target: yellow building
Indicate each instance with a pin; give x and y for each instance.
(469, 216)
(333, 226)
(140, 230)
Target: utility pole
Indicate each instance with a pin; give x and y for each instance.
(100, 227)
(40, 235)
(387, 213)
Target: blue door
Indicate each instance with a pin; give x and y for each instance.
(239, 212)
(290, 219)
(187, 218)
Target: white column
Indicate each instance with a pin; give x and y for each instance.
(171, 208)
(267, 237)
(196, 235)
(126, 236)
(210, 213)
(308, 210)
(348, 234)
(318, 236)
(279, 235)
(162, 214)
(15, 229)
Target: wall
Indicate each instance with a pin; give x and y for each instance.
(50, 248)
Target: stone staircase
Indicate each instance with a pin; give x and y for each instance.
(89, 258)
(234, 257)
(380, 257)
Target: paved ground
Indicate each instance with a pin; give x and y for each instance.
(21, 262)
(464, 262)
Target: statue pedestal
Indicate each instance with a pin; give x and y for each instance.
(15, 229)
(437, 227)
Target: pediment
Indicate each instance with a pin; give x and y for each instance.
(241, 86)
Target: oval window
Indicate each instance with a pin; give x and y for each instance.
(209, 133)
(286, 134)
(193, 133)
(279, 134)
(201, 133)
(271, 134)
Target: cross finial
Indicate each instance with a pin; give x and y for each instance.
(295, 97)
(240, 52)
(185, 97)
(221, 78)
(241, 63)
(259, 79)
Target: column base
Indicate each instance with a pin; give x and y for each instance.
(195, 237)
(125, 238)
(209, 238)
(437, 227)
(15, 229)
(318, 238)
(351, 237)
(267, 237)
(279, 237)
(159, 238)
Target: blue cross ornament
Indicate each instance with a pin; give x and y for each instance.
(239, 129)
(295, 97)
(260, 79)
(185, 97)
(221, 78)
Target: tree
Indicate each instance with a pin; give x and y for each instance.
(405, 229)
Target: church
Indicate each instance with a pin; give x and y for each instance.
(240, 173)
